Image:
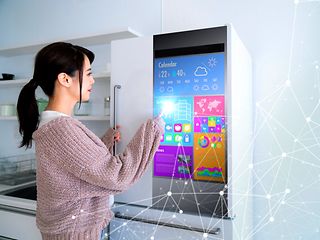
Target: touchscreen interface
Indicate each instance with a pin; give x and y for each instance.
(189, 91)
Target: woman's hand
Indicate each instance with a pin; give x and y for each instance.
(159, 120)
(117, 135)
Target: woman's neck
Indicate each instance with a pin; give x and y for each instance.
(61, 105)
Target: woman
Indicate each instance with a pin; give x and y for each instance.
(76, 172)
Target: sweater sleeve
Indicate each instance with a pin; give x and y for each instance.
(108, 139)
(81, 153)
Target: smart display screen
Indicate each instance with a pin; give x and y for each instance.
(189, 90)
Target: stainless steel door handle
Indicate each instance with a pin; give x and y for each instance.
(115, 112)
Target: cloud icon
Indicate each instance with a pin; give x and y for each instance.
(205, 88)
(200, 72)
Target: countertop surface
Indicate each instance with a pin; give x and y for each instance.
(14, 202)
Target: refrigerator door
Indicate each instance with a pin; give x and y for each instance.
(132, 68)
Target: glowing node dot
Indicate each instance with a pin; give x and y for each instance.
(283, 202)
(124, 224)
(81, 210)
(268, 196)
(296, 140)
(288, 83)
(152, 237)
(271, 219)
(284, 154)
(257, 104)
(308, 119)
(106, 234)
(251, 165)
(296, 1)
(73, 217)
(317, 66)
(174, 216)
(221, 193)
(288, 190)
(169, 193)
(185, 183)
(180, 211)
(205, 235)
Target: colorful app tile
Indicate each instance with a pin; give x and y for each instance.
(204, 128)
(168, 127)
(211, 121)
(204, 120)
(212, 129)
(209, 105)
(218, 128)
(186, 127)
(173, 161)
(197, 125)
(178, 138)
(203, 141)
(162, 138)
(168, 137)
(187, 138)
(209, 157)
(178, 127)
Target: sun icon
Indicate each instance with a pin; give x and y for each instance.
(212, 62)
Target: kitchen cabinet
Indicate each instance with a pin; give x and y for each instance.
(19, 60)
(18, 226)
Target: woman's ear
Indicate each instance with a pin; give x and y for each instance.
(64, 79)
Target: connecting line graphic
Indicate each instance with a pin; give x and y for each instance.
(279, 165)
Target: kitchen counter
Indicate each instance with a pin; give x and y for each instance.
(15, 203)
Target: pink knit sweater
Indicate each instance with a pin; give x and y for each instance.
(76, 173)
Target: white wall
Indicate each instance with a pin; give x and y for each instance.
(26, 22)
(283, 38)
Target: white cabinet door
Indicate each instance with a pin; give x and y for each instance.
(132, 68)
(18, 226)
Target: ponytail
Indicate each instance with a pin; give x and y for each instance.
(50, 61)
(28, 113)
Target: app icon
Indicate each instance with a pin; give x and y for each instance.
(204, 128)
(197, 125)
(186, 138)
(168, 127)
(204, 120)
(168, 137)
(212, 129)
(177, 138)
(211, 122)
(178, 127)
(186, 127)
(203, 141)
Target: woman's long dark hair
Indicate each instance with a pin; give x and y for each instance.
(50, 61)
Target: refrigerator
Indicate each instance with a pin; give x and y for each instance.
(199, 183)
